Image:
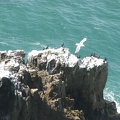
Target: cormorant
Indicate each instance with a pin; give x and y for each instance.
(62, 45)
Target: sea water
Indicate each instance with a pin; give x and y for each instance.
(35, 24)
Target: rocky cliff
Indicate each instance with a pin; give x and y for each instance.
(53, 85)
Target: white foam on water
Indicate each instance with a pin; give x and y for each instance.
(3, 43)
(109, 95)
(38, 44)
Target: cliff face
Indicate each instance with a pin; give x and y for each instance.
(53, 84)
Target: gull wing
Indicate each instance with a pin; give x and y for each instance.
(83, 40)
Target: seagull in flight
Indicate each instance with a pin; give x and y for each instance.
(79, 45)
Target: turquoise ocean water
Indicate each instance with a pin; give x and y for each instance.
(34, 24)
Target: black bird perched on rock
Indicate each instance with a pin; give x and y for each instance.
(45, 48)
(92, 54)
(105, 59)
(62, 45)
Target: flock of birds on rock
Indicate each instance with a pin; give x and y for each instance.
(14, 63)
(78, 47)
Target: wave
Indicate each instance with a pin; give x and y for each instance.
(3, 43)
(38, 44)
(110, 95)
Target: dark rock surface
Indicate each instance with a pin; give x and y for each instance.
(53, 85)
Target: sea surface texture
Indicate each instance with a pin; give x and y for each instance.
(35, 24)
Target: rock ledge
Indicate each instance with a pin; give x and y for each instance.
(53, 84)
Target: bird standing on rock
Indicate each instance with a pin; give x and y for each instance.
(62, 45)
(105, 59)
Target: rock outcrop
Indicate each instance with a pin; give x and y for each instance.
(53, 84)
